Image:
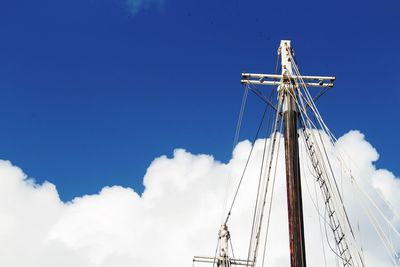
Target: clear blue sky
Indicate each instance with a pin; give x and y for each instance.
(93, 90)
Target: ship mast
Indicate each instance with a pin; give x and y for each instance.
(287, 97)
(287, 91)
(287, 94)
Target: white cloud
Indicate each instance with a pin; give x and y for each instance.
(137, 5)
(177, 216)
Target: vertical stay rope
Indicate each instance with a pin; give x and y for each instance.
(235, 141)
(240, 119)
(263, 189)
(269, 104)
(272, 196)
(246, 164)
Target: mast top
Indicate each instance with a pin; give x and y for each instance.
(286, 52)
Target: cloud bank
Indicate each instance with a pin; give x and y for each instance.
(178, 214)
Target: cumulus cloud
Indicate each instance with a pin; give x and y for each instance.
(178, 214)
(137, 5)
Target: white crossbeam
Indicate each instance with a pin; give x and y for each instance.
(279, 76)
(276, 79)
(215, 260)
(276, 83)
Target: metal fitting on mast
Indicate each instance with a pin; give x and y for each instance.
(224, 237)
(223, 259)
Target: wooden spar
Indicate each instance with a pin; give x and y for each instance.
(293, 187)
(293, 184)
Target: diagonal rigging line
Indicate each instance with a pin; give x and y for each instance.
(326, 222)
(322, 142)
(377, 208)
(272, 196)
(233, 253)
(311, 103)
(341, 203)
(240, 119)
(216, 251)
(235, 141)
(304, 113)
(304, 161)
(257, 92)
(319, 119)
(247, 161)
(317, 208)
(261, 199)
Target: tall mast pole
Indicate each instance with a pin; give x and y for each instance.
(287, 91)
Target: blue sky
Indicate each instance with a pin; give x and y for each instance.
(93, 91)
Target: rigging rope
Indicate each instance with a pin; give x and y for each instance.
(216, 251)
(316, 202)
(258, 215)
(329, 192)
(272, 197)
(267, 101)
(261, 199)
(386, 240)
(240, 119)
(246, 165)
(235, 141)
(313, 127)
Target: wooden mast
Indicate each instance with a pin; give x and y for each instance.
(287, 91)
